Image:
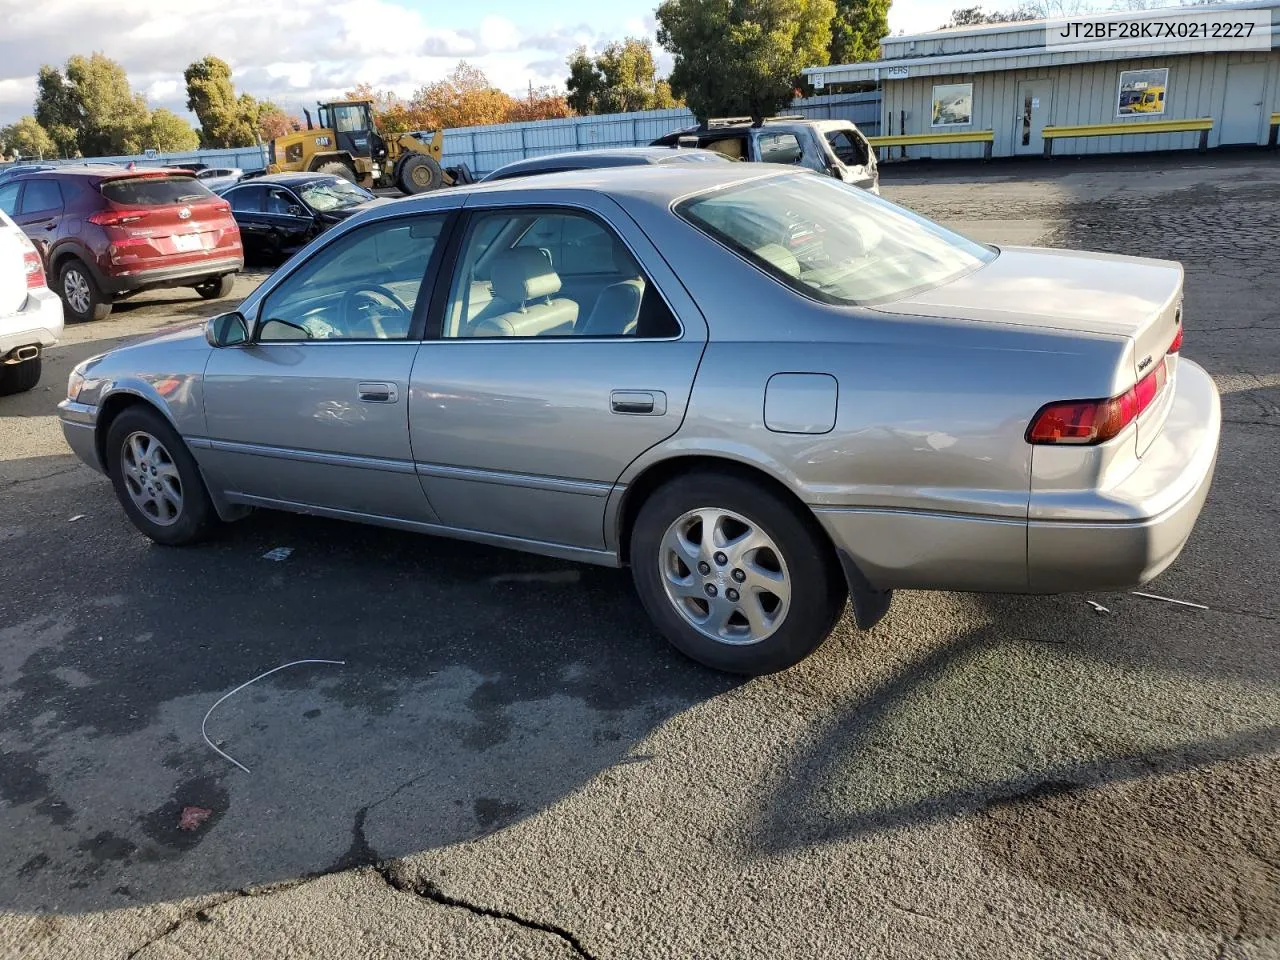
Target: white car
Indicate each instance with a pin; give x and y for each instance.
(218, 179)
(30, 313)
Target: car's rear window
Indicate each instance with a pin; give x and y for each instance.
(152, 191)
(832, 241)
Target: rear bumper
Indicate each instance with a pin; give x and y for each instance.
(1112, 538)
(39, 323)
(186, 275)
(1139, 526)
(79, 421)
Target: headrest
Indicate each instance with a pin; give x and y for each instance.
(779, 257)
(522, 274)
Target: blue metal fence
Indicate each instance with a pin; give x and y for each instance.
(487, 148)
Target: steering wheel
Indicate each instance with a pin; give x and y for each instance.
(358, 300)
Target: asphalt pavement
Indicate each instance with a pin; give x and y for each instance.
(510, 762)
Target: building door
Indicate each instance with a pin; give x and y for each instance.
(1032, 113)
(1242, 111)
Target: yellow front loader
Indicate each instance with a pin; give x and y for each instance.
(347, 143)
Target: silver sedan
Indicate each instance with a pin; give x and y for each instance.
(763, 390)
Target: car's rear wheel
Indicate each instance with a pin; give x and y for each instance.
(157, 480)
(19, 377)
(733, 575)
(338, 169)
(216, 288)
(82, 296)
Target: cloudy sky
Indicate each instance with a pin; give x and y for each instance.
(295, 51)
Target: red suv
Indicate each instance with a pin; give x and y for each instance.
(106, 233)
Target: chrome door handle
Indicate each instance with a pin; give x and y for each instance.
(645, 403)
(376, 392)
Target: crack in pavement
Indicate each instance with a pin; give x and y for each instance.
(44, 476)
(201, 913)
(427, 890)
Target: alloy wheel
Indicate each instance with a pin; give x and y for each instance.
(152, 478)
(75, 286)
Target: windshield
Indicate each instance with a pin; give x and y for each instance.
(832, 241)
(334, 194)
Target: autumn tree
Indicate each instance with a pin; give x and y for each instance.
(26, 138)
(743, 56)
(541, 103)
(274, 122)
(856, 30)
(621, 78)
(226, 120)
(465, 98)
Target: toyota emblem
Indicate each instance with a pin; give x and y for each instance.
(184, 213)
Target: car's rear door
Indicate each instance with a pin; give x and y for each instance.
(40, 212)
(313, 411)
(521, 428)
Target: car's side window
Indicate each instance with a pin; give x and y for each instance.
(247, 199)
(41, 196)
(551, 274)
(779, 148)
(9, 198)
(851, 149)
(282, 202)
(361, 286)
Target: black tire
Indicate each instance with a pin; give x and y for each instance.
(338, 169)
(19, 377)
(817, 588)
(217, 288)
(419, 173)
(196, 519)
(77, 286)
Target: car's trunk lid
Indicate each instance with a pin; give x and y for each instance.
(13, 274)
(1132, 297)
(170, 212)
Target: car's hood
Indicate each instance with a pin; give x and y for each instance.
(1096, 293)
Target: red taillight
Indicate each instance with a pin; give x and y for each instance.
(117, 218)
(34, 269)
(1177, 341)
(1096, 421)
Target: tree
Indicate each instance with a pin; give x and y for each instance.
(89, 108)
(274, 122)
(225, 119)
(169, 133)
(464, 98)
(542, 103)
(857, 28)
(26, 138)
(743, 56)
(621, 78)
(973, 16)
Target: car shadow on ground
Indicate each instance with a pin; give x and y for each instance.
(479, 687)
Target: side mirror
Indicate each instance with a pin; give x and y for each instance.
(227, 330)
(296, 211)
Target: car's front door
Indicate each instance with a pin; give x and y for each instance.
(290, 222)
(567, 349)
(313, 411)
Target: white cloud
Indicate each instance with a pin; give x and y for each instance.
(293, 53)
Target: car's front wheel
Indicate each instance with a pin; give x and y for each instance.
(157, 480)
(81, 294)
(217, 288)
(735, 576)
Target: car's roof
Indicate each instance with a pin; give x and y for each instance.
(111, 171)
(289, 179)
(650, 183)
(603, 157)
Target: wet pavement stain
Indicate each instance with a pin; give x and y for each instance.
(162, 824)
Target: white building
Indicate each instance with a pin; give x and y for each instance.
(1107, 72)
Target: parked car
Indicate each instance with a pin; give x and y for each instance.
(632, 367)
(30, 313)
(218, 179)
(17, 168)
(280, 212)
(614, 157)
(106, 233)
(834, 147)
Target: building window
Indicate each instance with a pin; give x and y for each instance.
(952, 104)
(1142, 92)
